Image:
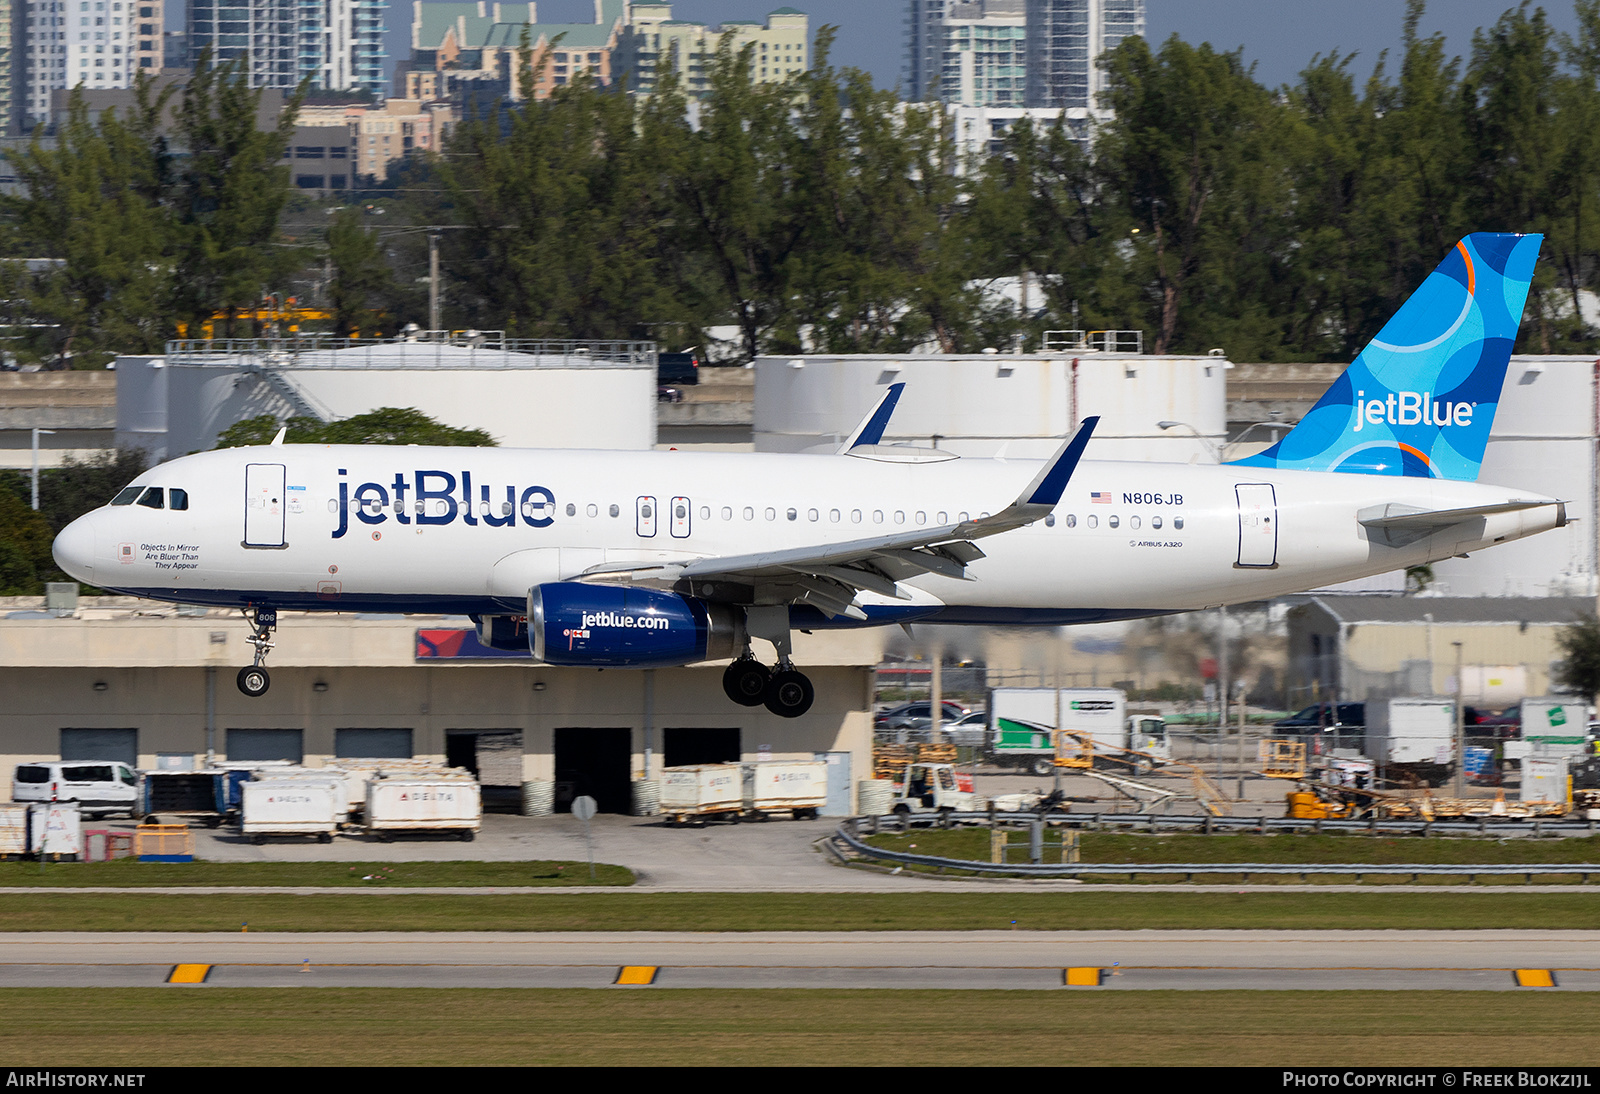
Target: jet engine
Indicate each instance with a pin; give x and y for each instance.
(573, 623)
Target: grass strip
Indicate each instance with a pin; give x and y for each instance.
(356, 875)
(627, 910)
(1288, 849)
(455, 1027)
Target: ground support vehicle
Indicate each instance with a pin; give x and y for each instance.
(1023, 722)
(421, 803)
(281, 807)
(702, 792)
(1413, 739)
(796, 787)
(933, 788)
(98, 786)
(55, 829)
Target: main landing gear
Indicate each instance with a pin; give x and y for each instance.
(253, 679)
(784, 690)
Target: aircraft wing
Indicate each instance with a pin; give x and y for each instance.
(829, 576)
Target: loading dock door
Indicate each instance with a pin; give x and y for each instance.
(494, 756)
(372, 744)
(101, 744)
(263, 504)
(596, 762)
(682, 747)
(1258, 525)
(266, 744)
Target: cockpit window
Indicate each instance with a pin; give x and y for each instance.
(125, 497)
(177, 499)
(153, 498)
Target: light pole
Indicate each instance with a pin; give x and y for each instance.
(1211, 449)
(36, 432)
(1461, 715)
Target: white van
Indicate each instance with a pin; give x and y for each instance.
(98, 786)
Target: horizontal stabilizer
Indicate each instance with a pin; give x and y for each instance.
(1398, 524)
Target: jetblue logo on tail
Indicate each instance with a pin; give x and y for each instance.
(1420, 398)
(1410, 408)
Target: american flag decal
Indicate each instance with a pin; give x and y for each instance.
(1100, 497)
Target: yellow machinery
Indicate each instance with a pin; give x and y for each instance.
(1283, 759)
(274, 316)
(1074, 750)
(1306, 805)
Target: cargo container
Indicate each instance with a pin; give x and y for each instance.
(1416, 736)
(1545, 780)
(281, 807)
(210, 795)
(797, 787)
(702, 792)
(55, 829)
(423, 803)
(13, 829)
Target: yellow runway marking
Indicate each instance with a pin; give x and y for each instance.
(1535, 978)
(1082, 977)
(188, 974)
(637, 974)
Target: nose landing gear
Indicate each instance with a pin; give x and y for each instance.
(254, 679)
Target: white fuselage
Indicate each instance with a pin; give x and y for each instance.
(1127, 539)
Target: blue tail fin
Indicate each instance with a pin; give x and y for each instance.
(1420, 399)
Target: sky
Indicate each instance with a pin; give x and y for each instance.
(1279, 36)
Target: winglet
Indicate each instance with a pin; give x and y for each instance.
(870, 431)
(277, 441)
(1047, 486)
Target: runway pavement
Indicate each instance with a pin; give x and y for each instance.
(1039, 960)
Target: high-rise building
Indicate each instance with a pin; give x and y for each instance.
(653, 40)
(62, 44)
(968, 52)
(336, 44)
(1066, 39)
(471, 52)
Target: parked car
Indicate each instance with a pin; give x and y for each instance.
(98, 786)
(917, 716)
(1325, 717)
(677, 368)
(972, 730)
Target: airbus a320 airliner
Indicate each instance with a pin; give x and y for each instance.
(654, 559)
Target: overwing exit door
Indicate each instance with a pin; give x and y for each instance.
(263, 504)
(1258, 525)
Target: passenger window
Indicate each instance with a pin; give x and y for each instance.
(592, 510)
(1133, 522)
(1177, 522)
(962, 517)
(616, 511)
(1155, 522)
(922, 517)
(1049, 520)
(179, 499)
(811, 514)
(727, 512)
(793, 514)
(125, 497)
(855, 516)
(1072, 520)
(705, 512)
(505, 508)
(749, 513)
(127, 776)
(943, 518)
(772, 514)
(1093, 521)
(572, 510)
(833, 515)
(877, 516)
(899, 516)
(153, 498)
(1112, 522)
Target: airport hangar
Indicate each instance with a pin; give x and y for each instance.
(129, 679)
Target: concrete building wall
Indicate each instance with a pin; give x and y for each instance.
(78, 406)
(110, 667)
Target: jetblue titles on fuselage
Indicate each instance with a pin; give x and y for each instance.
(440, 497)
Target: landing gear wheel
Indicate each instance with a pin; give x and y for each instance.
(1043, 767)
(745, 681)
(254, 681)
(789, 693)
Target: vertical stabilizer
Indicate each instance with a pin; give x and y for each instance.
(1419, 400)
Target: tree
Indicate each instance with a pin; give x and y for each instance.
(1579, 672)
(359, 270)
(229, 195)
(386, 425)
(25, 538)
(91, 203)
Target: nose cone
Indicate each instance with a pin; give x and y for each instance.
(74, 548)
